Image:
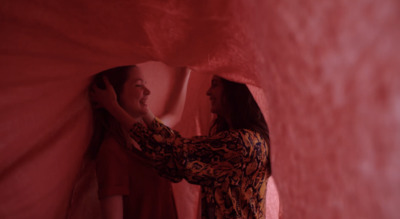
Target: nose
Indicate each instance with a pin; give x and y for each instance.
(208, 93)
(146, 91)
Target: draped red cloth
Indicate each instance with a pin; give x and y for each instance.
(326, 75)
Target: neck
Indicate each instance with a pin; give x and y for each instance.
(134, 115)
(227, 120)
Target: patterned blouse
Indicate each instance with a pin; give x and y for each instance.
(231, 167)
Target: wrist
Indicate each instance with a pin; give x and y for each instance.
(148, 118)
(113, 108)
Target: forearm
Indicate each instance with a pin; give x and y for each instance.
(171, 154)
(158, 141)
(175, 104)
(179, 90)
(158, 148)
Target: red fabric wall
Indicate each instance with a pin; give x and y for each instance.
(329, 71)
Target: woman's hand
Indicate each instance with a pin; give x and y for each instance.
(104, 98)
(107, 98)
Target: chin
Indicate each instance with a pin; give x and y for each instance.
(215, 111)
(136, 113)
(143, 112)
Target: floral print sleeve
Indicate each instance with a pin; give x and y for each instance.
(231, 167)
(201, 160)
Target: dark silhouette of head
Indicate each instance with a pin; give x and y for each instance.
(236, 109)
(239, 110)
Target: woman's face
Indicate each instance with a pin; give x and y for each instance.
(215, 92)
(134, 93)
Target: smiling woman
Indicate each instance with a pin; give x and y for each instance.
(135, 93)
(128, 185)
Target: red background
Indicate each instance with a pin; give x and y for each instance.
(327, 74)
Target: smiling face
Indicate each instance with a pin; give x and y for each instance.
(215, 92)
(134, 93)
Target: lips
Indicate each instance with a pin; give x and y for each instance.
(143, 101)
(212, 100)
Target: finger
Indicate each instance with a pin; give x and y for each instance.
(106, 82)
(94, 87)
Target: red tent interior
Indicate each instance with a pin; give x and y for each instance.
(324, 73)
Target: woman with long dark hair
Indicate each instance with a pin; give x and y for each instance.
(129, 186)
(232, 164)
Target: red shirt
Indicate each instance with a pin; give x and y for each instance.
(127, 173)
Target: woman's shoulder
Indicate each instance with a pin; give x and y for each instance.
(112, 148)
(251, 136)
(237, 132)
(236, 136)
(229, 134)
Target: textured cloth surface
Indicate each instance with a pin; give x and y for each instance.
(329, 71)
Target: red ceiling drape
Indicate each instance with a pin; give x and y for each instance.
(325, 74)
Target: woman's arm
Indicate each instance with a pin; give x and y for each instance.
(112, 207)
(201, 160)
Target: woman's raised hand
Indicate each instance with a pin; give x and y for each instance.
(107, 98)
(104, 98)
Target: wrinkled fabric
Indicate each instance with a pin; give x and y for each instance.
(327, 71)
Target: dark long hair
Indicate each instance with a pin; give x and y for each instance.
(243, 112)
(103, 122)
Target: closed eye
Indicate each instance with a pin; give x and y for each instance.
(140, 83)
(214, 83)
